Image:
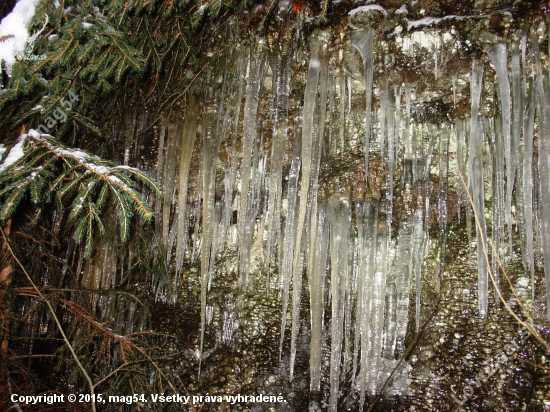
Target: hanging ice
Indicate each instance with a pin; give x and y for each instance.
(310, 101)
(476, 181)
(363, 41)
(246, 226)
(187, 143)
(339, 234)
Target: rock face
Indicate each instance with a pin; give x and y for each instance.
(357, 180)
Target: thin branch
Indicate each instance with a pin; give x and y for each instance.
(531, 329)
(55, 318)
(406, 355)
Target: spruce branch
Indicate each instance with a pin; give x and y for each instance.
(41, 167)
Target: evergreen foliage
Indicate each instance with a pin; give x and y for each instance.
(43, 169)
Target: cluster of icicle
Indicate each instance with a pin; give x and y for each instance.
(345, 246)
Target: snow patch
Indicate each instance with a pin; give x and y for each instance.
(368, 8)
(15, 154)
(16, 26)
(402, 10)
(428, 21)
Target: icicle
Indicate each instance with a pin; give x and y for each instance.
(341, 97)
(499, 56)
(289, 231)
(246, 226)
(529, 120)
(188, 141)
(407, 137)
(476, 180)
(390, 119)
(331, 92)
(543, 108)
(317, 251)
(442, 203)
(160, 179)
(427, 181)
(363, 42)
(350, 91)
(498, 204)
(310, 101)
(349, 306)
(414, 148)
(518, 94)
(405, 264)
(377, 297)
(210, 142)
(231, 169)
(280, 130)
(360, 270)
(169, 177)
(418, 257)
(339, 218)
(317, 293)
(398, 129)
(460, 145)
(215, 239)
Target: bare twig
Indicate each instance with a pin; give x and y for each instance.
(406, 355)
(527, 326)
(55, 318)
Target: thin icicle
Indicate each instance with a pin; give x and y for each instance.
(280, 131)
(529, 120)
(210, 142)
(339, 218)
(418, 257)
(246, 226)
(405, 259)
(169, 177)
(289, 232)
(317, 293)
(231, 169)
(476, 181)
(341, 97)
(363, 42)
(442, 203)
(460, 145)
(188, 141)
(160, 179)
(518, 98)
(377, 310)
(498, 54)
(368, 314)
(543, 108)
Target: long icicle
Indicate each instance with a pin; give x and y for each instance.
(289, 232)
(363, 41)
(188, 141)
(310, 100)
(169, 175)
(476, 181)
(210, 144)
(280, 131)
(498, 54)
(529, 120)
(543, 108)
(317, 293)
(316, 267)
(255, 77)
(339, 236)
